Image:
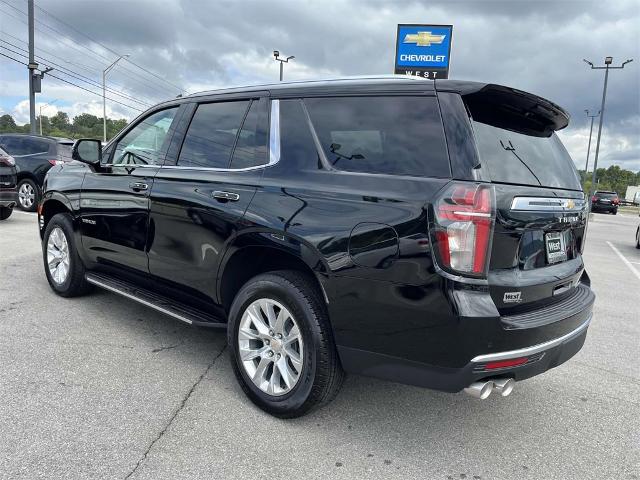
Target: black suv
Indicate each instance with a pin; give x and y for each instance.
(8, 180)
(602, 201)
(34, 156)
(427, 233)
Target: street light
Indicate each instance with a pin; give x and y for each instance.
(276, 55)
(41, 107)
(104, 97)
(586, 167)
(607, 66)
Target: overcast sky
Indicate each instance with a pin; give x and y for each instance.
(537, 46)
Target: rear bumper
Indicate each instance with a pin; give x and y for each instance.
(8, 197)
(541, 340)
(547, 355)
(604, 208)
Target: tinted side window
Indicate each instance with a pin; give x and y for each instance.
(391, 135)
(297, 148)
(251, 147)
(33, 146)
(146, 142)
(212, 134)
(24, 146)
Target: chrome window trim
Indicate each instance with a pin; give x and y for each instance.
(525, 352)
(547, 204)
(274, 147)
(274, 133)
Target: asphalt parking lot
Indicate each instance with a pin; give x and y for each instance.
(100, 387)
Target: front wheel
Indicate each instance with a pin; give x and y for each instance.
(5, 212)
(638, 238)
(62, 264)
(281, 344)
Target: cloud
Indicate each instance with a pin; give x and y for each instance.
(537, 46)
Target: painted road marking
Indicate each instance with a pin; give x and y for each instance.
(625, 261)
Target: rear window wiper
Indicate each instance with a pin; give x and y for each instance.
(512, 149)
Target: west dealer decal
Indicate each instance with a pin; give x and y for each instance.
(512, 297)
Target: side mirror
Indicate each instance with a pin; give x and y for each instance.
(87, 150)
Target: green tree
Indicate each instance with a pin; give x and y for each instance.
(60, 121)
(7, 124)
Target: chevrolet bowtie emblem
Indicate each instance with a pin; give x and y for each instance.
(423, 39)
(571, 204)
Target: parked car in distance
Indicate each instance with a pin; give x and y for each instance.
(603, 201)
(8, 181)
(34, 156)
(426, 233)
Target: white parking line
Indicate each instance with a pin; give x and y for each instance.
(624, 260)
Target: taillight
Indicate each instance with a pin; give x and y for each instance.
(594, 198)
(7, 160)
(615, 201)
(465, 216)
(53, 161)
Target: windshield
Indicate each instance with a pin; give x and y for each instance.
(512, 157)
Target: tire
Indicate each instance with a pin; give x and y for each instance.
(73, 283)
(5, 212)
(28, 195)
(638, 238)
(615, 212)
(320, 376)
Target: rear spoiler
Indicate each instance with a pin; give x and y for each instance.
(511, 109)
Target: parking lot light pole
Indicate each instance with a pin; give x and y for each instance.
(276, 55)
(41, 107)
(104, 96)
(586, 167)
(607, 66)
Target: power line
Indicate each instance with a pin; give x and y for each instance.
(109, 49)
(75, 75)
(73, 84)
(79, 65)
(88, 68)
(73, 43)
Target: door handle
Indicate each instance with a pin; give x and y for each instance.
(225, 196)
(138, 186)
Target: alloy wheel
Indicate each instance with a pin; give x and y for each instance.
(270, 346)
(58, 255)
(26, 195)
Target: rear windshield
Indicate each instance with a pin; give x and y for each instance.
(606, 195)
(388, 135)
(512, 157)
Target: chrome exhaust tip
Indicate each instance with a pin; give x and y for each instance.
(504, 386)
(480, 390)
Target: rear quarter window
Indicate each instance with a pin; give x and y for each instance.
(395, 135)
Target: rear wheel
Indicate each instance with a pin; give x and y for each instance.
(282, 346)
(27, 195)
(5, 212)
(638, 238)
(62, 265)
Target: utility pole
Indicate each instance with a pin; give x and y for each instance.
(104, 95)
(607, 66)
(33, 66)
(276, 55)
(586, 167)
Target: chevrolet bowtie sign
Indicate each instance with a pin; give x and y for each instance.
(423, 50)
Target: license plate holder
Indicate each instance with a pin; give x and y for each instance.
(555, 247)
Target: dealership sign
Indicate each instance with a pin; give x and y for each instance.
(423, 50)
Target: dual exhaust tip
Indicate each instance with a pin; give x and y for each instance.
(481, 390)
